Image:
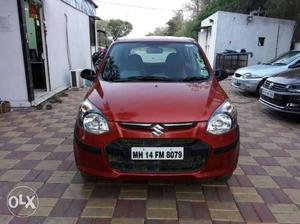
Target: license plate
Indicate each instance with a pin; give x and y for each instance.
(157, 153)
(268, 93)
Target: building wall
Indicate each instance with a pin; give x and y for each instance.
(297, 46)
(12, 72)
(62, 19)
(235, 33)
(207, 37)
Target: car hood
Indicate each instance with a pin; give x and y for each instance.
(262, 70)
(157, 102)
(287, 78)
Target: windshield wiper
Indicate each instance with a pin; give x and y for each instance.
(194, 78)
(144, 78)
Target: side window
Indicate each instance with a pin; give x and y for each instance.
(297, 64)
(111, 70)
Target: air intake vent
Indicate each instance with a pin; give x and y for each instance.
(75, 79)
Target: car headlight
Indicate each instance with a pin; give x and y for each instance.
(223, 120)
(91, 119)
(250, 76)
(294, 88)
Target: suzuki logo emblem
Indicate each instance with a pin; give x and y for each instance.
(271, 85)
(158, 130)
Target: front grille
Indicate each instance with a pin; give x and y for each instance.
(284, 101)
(119, 155)
(278, 102)
(164, 126)
(155, 142)
(275, 86)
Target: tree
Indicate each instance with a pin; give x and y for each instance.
(288, 9)
(118, 28)
(172, 28)
(194, 6)
(175, 24)
(158, 31)
(103, 39)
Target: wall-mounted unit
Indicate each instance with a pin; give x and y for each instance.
(75, 79)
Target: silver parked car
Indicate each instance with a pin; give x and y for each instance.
(251, 78)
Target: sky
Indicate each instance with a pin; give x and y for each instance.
(144, 15)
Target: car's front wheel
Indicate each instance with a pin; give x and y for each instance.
(258, 87)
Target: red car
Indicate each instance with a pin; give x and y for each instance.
(156, 110)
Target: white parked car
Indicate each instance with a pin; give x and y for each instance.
(251, 78)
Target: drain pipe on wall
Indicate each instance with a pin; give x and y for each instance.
(68, 45)
(277, 42)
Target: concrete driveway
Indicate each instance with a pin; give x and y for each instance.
(36, 151)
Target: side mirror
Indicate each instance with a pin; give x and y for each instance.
(221, 75)
(88, 74)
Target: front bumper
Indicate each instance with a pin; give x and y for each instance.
(281, 101)
(210, 156)
(249, 85)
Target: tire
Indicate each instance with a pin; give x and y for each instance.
(258, 87)
(223, 179)
(88, 178)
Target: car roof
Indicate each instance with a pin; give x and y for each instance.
(156, 38)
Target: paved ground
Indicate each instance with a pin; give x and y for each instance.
(36, 150)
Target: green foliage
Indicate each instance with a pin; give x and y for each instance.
(101, 25)
(287, 9)
(175, 24)
(158, 31)
(194, 6)
(118, 28)
(172, 28)
(209, 9)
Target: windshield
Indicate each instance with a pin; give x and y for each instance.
(155, 61)
(286, 58)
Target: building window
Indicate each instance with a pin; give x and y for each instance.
(261, 41)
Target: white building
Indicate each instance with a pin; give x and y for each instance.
(40, 42)
(265, 37)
